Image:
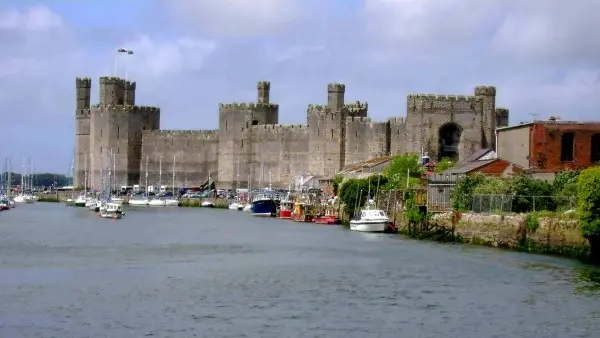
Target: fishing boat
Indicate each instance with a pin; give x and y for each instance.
(329, 217)
(302, 212)
(112, 211)
(265, 204)
(370, 219)
(285, 209)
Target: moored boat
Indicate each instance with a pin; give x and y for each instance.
(370, 219)
(112, 211)
(302, 212)
(138, 202)
(285, 209)
(207, 204)
(80, 201)
(157, 202)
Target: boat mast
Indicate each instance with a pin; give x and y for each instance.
(146, 186)
(114, 172)
(85, 176)
(237, 183)
(160, 172)
(173, 183)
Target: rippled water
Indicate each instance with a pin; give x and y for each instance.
(219, 273)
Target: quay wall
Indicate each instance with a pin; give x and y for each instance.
(559, 236)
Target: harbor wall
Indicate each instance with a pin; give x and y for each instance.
(552, 235)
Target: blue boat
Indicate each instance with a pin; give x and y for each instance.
(265, 205)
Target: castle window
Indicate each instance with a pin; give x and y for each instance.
(225, 125)
(242, 143)
(567, 143)
(318, 132)
(100, 132)
(171, 143)
(118, 131)
(255, 123)
(118, 150)
(595, 156)
(144, 128)
(331, 133)
(356, 133)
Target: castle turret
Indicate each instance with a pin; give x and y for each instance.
(335, 95)
(488, 96)
(502, 117)
(83, 87)
(264, 88)
(130, 93)
(112, 91)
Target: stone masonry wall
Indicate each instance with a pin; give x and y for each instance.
(552, 236)
(282, 150)
(192, 154)
(365, 139)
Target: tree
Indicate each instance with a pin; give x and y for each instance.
(354, 192)
(462, 193)
(445, 164)
(335, 184)
(588, 206)
(400, 167)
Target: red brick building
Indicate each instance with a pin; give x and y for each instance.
(550, 146)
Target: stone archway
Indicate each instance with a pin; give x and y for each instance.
(449, 139)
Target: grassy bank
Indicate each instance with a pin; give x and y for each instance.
(197, 203)
(48, 199)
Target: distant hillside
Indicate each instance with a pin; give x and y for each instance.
(39, 180)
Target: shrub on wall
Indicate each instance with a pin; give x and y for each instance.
(588, 207)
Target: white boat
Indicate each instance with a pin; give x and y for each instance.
(96, 206)
(80, 201)
(235, 205)
(138, 202)
(207, 204)
(112, 211)
(370, 219)
(157, 202)
(247, 208)
(172, 202)
(117, 200)
(20, 199)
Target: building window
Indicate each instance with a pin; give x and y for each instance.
(566, 147)
(595, 148)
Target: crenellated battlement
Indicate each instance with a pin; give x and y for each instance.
(83, 82)
(130, 85)
(82, 114)
(396, 120)
(358, 119)
(246, 106)
(266, 85)
(485, 91)
(127, 109)
(112, 80)
(438, 97)
(357, 107)
(336, 87)
(318, 108)
(502, 112)
(281, 128)
(207, 135)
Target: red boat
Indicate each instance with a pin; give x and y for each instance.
(329, 218)
(302, 213)
(285, 209)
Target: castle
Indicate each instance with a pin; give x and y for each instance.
(251, 146)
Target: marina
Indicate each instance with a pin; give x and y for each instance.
(176, 271)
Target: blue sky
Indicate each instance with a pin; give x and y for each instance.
(543, 56)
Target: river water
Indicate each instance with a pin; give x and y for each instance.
(184, 272)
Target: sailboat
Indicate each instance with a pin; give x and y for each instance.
(371, 219)
(157, 201)
(24, 196)
(172, 201)
(136, 201)
(114, 197)
(236, 204)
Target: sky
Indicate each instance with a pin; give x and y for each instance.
(542, 55)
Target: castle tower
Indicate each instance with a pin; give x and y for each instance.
(502, 117)
(335, 95)
(264, 88)
(488, 123)
(129, 93)
(112, 91)
(83, 86)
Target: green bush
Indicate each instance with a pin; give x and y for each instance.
(353, 192)
(462, 194)
(588, 202)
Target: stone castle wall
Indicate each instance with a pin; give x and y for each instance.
(249, 137)
(190, 154)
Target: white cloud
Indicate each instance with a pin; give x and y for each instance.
(158, 58)
(32, 19)
(543, 55)
(239, 17)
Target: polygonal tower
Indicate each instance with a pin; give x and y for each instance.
(81, 161)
